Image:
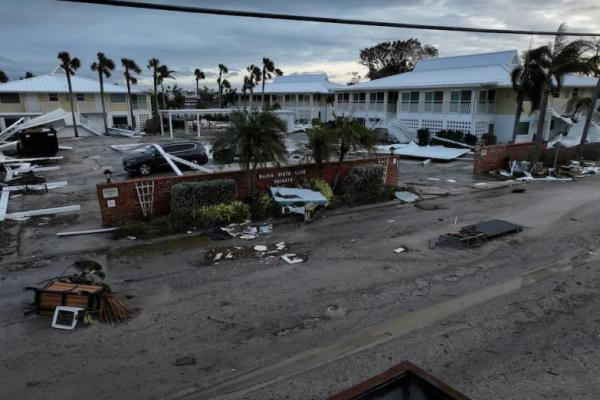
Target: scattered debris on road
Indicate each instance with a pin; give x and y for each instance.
(406, 197)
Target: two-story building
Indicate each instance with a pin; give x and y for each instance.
(309, 96)
(471, 93)
(33, 97)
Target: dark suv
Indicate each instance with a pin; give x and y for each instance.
(150, 160)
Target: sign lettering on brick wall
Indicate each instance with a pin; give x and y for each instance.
(110, 193)
(283, 177)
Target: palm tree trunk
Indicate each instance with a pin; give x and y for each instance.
(130, 104)
(262, 96)
(102, 102)
(339, 169)
(537, 151)
(72, 101)
(155, 95)
(162, 92)
(517, 115)
(588, 120)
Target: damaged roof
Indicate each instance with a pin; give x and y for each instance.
(486, 69)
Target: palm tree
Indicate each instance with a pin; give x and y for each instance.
(164, 73)
(577, 105)
(199, 76)
(222, 70)
(70, 65)
(153, 65)
(29, 74)
(103, 66)
(321, 143)
(349, 135)
(594, 66)
(253, 78)
(557, 60)
(267, 73)
(3, 77)
(130, 67)
(256, 138)
(178, 97)
(527, 82)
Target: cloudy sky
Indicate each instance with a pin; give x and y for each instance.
(34, 31)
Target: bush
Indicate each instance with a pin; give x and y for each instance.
(450, 134)
(423, 136)
(470, 139)
(319, 185)
(152, 126)
(220, 214)
(187, 196)
(363, 184)
(224, 156)
(489, 139)
(263, 207)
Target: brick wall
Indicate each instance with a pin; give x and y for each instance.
(489, 158)
(119, 200)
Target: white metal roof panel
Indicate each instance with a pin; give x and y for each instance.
(57, 83)
(508, 57)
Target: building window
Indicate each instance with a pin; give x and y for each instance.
(556, 94)
(460, 101)
(575, 92)
(80, 96)
(141, 98)
(392, 97)
(117, 98)
(486, 102)
(410, 101)
(52, 96)
(359, 98)
(340, 98)
(10, 98)
(376, 97)
(434, 101)
(119, 121)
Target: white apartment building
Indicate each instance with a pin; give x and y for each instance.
(33, 97)
(471, 93)
(309, 96)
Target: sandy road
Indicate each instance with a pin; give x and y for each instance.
(248, 314)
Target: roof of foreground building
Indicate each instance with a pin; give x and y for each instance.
(300, 83)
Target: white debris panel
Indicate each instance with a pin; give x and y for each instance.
(427, 152)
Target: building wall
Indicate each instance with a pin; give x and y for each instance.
(126, 204)
(489, 158)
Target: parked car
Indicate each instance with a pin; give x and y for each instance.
(150, 160)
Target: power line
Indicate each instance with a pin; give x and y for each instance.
(342, 21)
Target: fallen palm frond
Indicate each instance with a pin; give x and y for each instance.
(113, 311)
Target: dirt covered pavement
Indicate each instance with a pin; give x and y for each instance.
(245, 328)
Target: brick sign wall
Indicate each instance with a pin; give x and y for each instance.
(119, 200)
(489, 158)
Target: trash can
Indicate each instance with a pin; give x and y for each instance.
(38, 142)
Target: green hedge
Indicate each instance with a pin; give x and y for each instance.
(364, 184)
(187, 196)
(220, 214)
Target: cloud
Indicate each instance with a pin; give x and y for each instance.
(189, 41)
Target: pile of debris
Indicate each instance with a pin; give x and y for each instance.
(245, 230)
(216, 255)
(70, 298)
(526, 171)
(580, 169)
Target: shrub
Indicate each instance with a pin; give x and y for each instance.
(363, 184)
(152, 126)
(423, 136)
(470, 139)
(489, 139)
(224, 156)
(186, 196)
(450, 134)
(220, 214)
(319, 185)
(263, 207)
